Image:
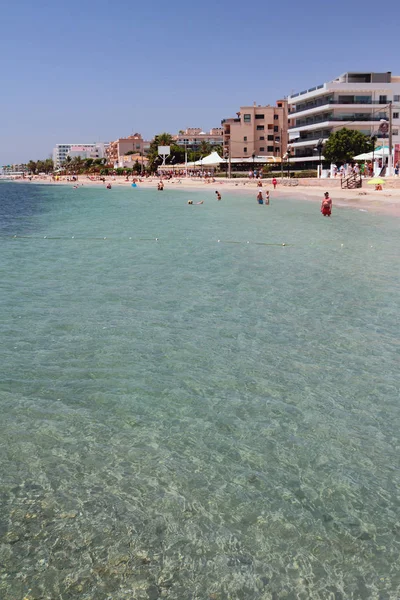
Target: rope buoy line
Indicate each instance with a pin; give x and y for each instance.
(148, 239)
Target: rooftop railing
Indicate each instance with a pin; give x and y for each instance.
(317, 87)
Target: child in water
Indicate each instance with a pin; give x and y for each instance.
(326, 206)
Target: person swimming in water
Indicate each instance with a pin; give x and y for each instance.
(326, 205)
(218, 195)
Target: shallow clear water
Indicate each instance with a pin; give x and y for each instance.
(188, 419)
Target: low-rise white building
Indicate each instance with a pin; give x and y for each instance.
(353, 100)
(61, 151)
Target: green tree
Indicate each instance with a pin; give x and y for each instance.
(32, 166)
(343, 145)
(162, 139)
(205, 148)
(48, 165)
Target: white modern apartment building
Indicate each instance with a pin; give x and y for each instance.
(353, 100)
(61, 151)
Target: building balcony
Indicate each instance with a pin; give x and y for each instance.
(303, 143)
(311, 107)
(330, 121)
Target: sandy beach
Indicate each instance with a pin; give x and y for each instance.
(386, 201)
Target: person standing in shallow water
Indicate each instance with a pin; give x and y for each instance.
(267, 198)
(260, 198)
(326, 205)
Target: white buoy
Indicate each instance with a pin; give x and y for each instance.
(283, 244)
(130, 238)
(44, 237)
(73, 237)
(219, 241)
(156, 239)
(248, 242)
(15, 236)
(104, 238)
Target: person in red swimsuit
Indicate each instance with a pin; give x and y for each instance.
(326, 206)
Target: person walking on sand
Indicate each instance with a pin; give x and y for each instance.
(326, 205)
(274, 182)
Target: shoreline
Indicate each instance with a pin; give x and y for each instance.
(385, 202)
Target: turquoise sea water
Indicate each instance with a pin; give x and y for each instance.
(192, 419)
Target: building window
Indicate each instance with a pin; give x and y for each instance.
(277, 138)
(262, 138)
(245, 149)
(270, 138)
(382, 99)
(270, 126)
(270, 148)
(259, 116)
(247, 118)
(395, 115)
(396, 98)
(276, 128)
(362, 99)
(245, 138)
(262, 148)
(279, 104)
(260, 127)
(276, 117)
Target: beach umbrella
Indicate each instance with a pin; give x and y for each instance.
(376, 181)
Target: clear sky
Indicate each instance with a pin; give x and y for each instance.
(84, 71)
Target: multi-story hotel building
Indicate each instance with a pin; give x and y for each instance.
(61, 151)
(118, 149)
(353, 100)
(257, 130)
(193, 137)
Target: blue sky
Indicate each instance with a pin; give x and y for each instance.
(84, 71)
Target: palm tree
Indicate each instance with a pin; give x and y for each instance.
(205, 148)
(164, 139)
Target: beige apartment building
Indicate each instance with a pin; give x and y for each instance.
(193, 137)
(133, 143)
(257, 130)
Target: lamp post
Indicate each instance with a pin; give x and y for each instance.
(288, 154)
(384, 128)
(253, 157)
(318, 148)
(226, 170)
(373, 139)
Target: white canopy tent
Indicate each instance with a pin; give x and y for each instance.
(380, 152)
(212, 160)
